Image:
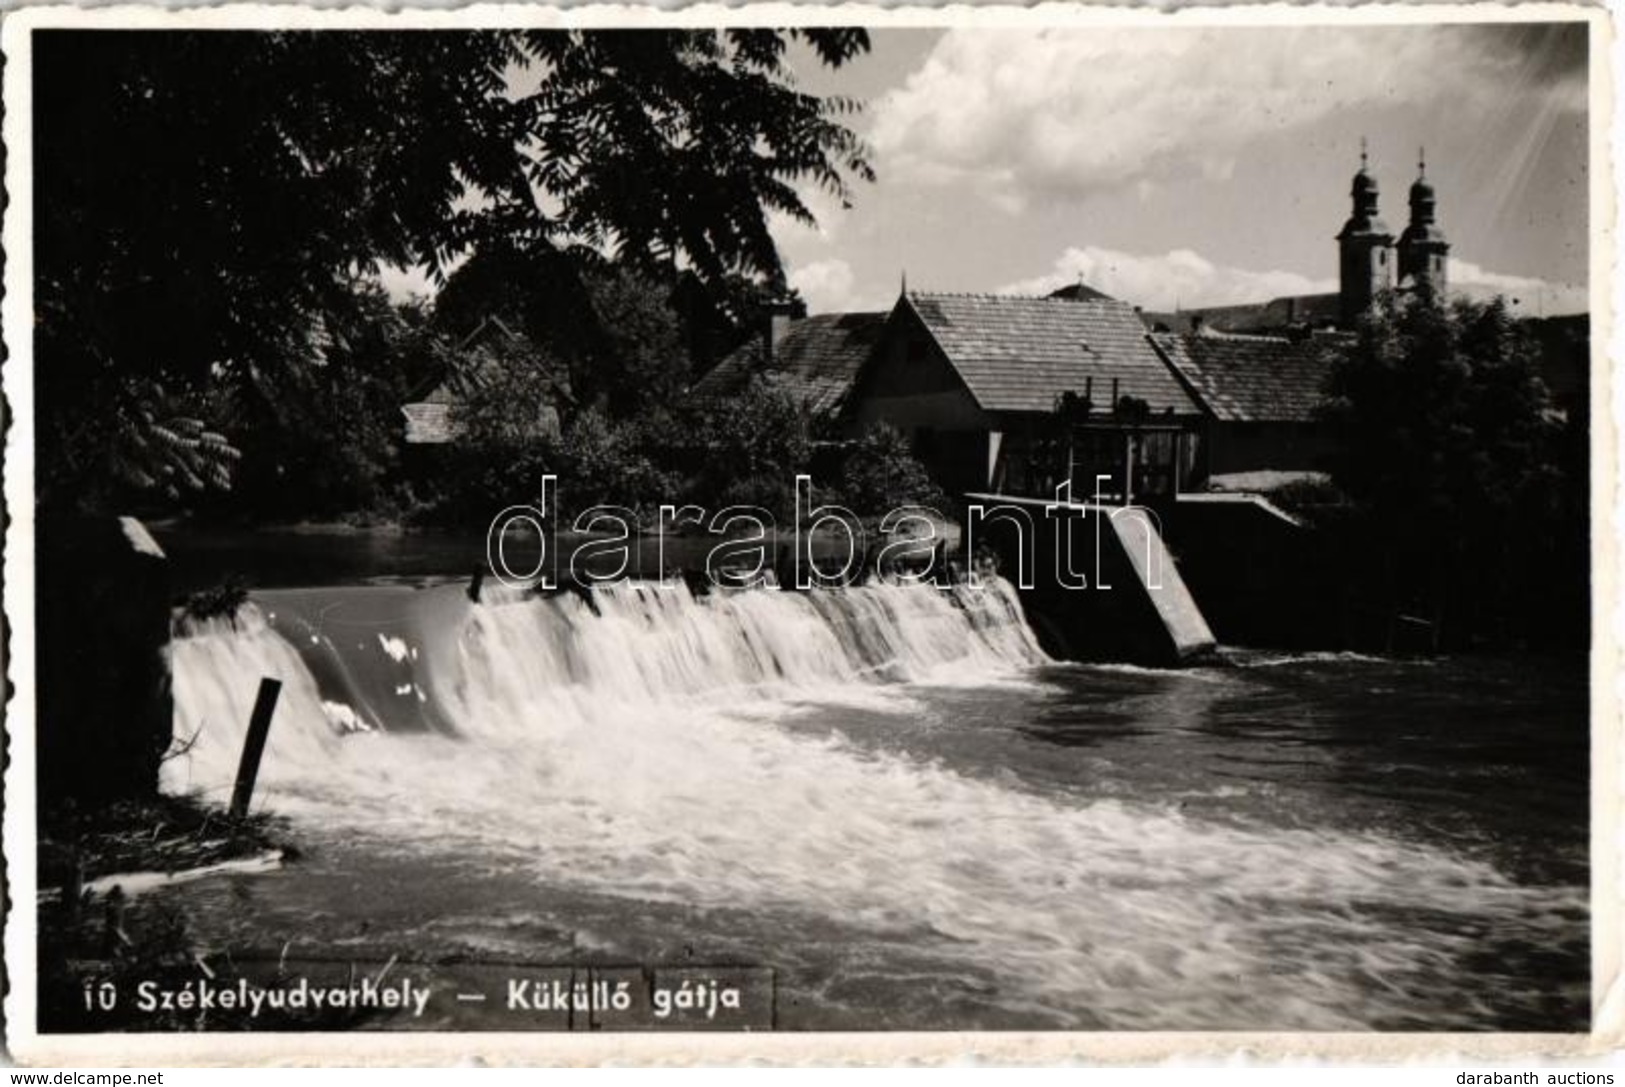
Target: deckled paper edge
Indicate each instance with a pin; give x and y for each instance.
(1607, 674)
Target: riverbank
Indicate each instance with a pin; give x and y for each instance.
(103, 934)
(165, 834)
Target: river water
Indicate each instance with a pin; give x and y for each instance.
(890, 797)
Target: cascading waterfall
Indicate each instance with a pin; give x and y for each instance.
(642, 747)
(402, 660)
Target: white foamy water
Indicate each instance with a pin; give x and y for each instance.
(639, 753)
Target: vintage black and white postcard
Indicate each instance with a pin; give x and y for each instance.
(560, 534)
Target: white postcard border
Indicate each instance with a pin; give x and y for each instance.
(1607, 143)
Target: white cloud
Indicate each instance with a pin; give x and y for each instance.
(1070, 112)
(1183, 278)
(825, 284)
(1525, 295)
(1162, 281)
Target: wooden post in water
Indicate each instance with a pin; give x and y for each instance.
(259, 726)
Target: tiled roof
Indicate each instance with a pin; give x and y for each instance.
(817, 360)
(1019, 354)
(1253, 379)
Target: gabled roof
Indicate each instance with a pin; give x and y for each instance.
(816, 360)
(1019, 354)
(1253, 379)
(1081, 292)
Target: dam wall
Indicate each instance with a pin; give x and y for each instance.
(1097, 582)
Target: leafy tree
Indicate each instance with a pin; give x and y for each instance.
(506, 394)
(718, 318)
(150, 440)
(755, 445)
(509, 433)
(602, 463)
(647, 363)
(506, 429)
(204, 197)
(614, 329)
(1452, 454)
(881, 474)
(321, 438)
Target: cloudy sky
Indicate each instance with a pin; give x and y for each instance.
(1199, 166)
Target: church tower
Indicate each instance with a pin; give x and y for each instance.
(1422, 248)
(1364, 247)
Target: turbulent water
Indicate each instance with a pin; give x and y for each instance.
(889, 795)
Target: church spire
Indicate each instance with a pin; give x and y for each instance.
(1363, 244)
(1423, 250)
(1422, 199)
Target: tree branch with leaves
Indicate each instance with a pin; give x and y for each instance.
(202, 198)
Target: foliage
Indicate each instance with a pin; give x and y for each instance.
(1310, 499)
(509, 436)
(205, 199)
(153, 448)
(89, 939)
(222, 601)
(1441, 410)
(157, 833)
(148, 439)
(1132, 410)
(322, 439)
(881, 474)
(602, 463)
(717, 318)
(505, 434)
(1453, 458)
(754, 446)
(647, 362)
(507, 395)
(614, 333)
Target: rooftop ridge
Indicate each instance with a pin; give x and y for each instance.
(834, 315)
(1221, 334)
(994, 296)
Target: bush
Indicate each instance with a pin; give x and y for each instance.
(754, 446)
(505, 447)
(881, 474)
(1308, 498)
(222, 601)
(600, 462)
